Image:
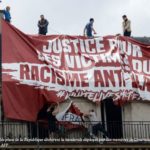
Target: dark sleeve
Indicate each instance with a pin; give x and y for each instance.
(38, 23)
(46, 23)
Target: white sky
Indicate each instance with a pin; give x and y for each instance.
(70, 16)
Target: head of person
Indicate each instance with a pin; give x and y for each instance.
(124, 17)
(8, 8)
(91, 20)
(42, 17)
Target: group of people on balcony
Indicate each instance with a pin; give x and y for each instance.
(89, 121)
(88, 30)
(126, 25)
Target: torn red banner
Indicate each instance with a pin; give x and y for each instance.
(44, 69)
(71, 116)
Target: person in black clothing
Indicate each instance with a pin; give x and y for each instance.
(43, 25)
(52, 121)
(88, 30)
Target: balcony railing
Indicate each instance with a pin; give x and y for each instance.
(76, 132)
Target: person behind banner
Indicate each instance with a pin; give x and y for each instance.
(7, 15)
(43, 25)
(95, 125)
(52, 111)
(88, 30)
(126, 25)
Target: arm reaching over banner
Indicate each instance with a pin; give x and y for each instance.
(56, 111)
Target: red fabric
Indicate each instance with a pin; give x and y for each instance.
(75, 110)
(44, 69)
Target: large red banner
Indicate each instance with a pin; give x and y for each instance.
(40, 69)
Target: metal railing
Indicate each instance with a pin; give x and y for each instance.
(76, 132)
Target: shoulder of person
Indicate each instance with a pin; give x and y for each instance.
(128, 21)
(123, 22)
(87, 24)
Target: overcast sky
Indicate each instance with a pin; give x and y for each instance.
(70, 16)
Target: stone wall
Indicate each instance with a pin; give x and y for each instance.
(139, 114)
